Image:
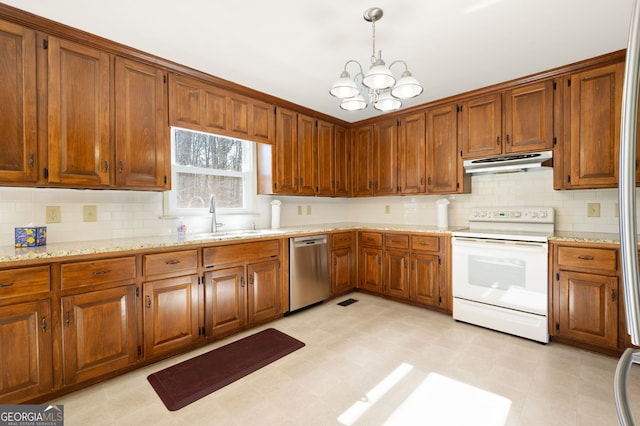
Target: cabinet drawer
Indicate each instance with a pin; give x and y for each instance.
(396, 241)
(426, 243)
(373, 239)
(213, 256)
(81, 274)
(23, 281)
(342, 239)
(168, 263)
(588, 258)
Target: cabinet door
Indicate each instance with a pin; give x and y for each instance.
(326, 160)
(196, 105)
(342, 271)
(263, 301)
(79, 115)
(99, 332)
(363, 148)
(528, 118)
(370, 269)
(262, 127)
(385, 157)
(412, 147)
(443, 162)
(342, 147)
(286, 157)
(18, 129)
(26, 369)
(425, 279)
(307, 155)
(587, 308)
(593, 124)
(481, 122)
(225, 299)
(396, 276)
(170, 315)
(142, 150)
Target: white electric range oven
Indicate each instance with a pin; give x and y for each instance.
(500, 270)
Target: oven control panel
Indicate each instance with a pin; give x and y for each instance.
(512, 214)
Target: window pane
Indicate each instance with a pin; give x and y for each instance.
(194, 190)
(208, 151)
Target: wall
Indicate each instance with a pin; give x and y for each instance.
(137, 213)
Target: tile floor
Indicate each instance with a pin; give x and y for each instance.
(379, 362)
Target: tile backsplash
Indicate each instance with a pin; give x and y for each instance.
(137, 213)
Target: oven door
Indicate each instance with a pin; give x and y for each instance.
(510, 274)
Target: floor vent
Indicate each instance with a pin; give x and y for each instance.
(347, 302)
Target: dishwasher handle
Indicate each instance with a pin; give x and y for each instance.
(309, 241)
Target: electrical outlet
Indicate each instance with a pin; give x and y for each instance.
(89, 213)
(387, 209)
(308, 209)
(299, 210)
(593, 209)
(52, 214)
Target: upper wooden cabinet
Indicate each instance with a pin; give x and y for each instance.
(326, 159)
(528, 118)
(307, 161)
(385, 157)
(445, 174)
(285, 160)
(363, 160)
(342, 155)
(194, 104)
(591, 116)
(515, 121)
(142, 148)
(79, 115)
(481, 131)
(18, 101)
(412, 147)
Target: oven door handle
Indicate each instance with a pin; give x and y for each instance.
(476, 242)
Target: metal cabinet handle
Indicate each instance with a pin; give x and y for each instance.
(6, 285)
(251, 280)
(613, 295)
(67, 319)
(120, 166)
(44, 325)
(241, 281)
(32, 161)
(103, 272)
(585, 257)
(172, 262)
(148, 302)
(106, 166)
(497, 140)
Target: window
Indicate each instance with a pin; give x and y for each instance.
(203, 164)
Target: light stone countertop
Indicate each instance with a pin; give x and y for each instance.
(51, 251)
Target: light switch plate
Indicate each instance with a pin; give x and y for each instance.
(89, 213)
(52, 214)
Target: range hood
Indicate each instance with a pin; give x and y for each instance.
(508, 163)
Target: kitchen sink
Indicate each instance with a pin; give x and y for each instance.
(236, 233)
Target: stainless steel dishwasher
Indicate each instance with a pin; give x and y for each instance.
(308, 271)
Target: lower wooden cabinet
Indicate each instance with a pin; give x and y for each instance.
(26, 367)
(588, 308)
(99, 332)
(243, 289)
(170, 314)
(410, 267)
(585, 298)
(343, 262)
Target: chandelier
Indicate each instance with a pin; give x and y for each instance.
(384, 91)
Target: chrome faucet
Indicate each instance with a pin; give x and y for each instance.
(212, 210)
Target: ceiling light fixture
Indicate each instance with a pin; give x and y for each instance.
(384, 91)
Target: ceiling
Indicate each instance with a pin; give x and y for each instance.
(296, 49)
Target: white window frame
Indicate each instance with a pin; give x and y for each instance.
(250, 181)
